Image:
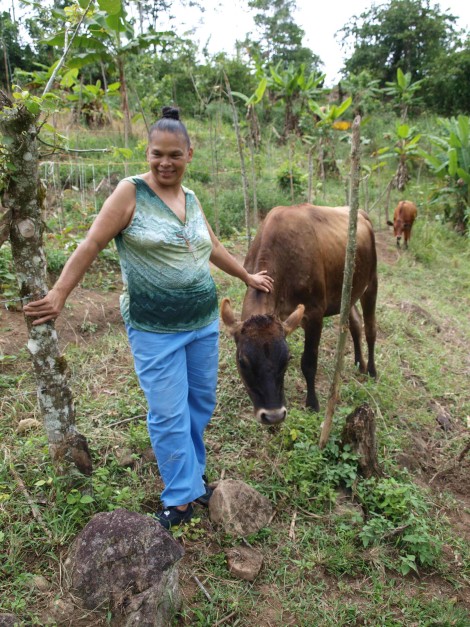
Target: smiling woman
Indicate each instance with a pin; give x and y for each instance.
(169, 306)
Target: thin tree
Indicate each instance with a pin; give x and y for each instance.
(347, 282)
(236, 125)
(23, 225)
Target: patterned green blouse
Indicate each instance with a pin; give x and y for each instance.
(168, 287)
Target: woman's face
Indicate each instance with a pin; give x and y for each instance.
(168, 155)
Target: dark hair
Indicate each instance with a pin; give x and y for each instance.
(170, 123)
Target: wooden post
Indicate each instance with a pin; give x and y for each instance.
(242, 157)
(347, 282)
(359, 433)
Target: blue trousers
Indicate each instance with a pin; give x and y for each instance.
(178, 374)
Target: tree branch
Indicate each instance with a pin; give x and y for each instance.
(67, 45)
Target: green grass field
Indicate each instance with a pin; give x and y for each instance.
(340, 550)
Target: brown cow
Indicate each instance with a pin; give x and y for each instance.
(403, 217)
(303, 248)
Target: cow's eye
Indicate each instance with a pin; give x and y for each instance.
(243, 363)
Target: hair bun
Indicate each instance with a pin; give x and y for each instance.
(171, 112)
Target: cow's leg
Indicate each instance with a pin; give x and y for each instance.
(309, 361)
(355, 327)
(368, 302)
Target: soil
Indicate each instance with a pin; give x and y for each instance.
(88, 315)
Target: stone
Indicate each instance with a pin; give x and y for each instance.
(244, 562)
(27, 424)
(126, 562)
(38, 582)
(148, 455)
(9, 620)
(239, 508)
(125, 457)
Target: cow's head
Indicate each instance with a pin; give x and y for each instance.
(262, 357)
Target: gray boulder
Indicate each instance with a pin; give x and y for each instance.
(239, 508)
(126, 562)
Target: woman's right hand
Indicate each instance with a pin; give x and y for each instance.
(45, 309)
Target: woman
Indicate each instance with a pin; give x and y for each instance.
(169, 306)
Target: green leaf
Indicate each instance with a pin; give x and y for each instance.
(403, 130)
(86, 498)
(112, 7)
(465, 176)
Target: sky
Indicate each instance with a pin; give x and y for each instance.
(225, 21)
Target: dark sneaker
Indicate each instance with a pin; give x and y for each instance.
(172, 517)
(205, 498)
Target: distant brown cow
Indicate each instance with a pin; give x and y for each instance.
(403, 217)
(303, 248)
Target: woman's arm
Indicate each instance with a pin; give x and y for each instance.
(115, 215)
(227, 262)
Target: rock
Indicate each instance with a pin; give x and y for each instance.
(405, 460)
(244, 562)
(9, 620)
(148, 455)
(346, 508)
(27, 424)
(125, 457)
(126, 562)
(38, 582)
(238, 508)
(61, 612)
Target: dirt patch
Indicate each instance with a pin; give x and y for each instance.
(87, 315)
(387, 251)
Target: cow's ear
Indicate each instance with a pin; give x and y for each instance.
(228, 317)
(293, 320)
(389, 223)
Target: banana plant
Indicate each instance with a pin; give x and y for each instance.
(403, 90)
(326, 120)
(451, 163)
(108, 37)
(404, 151)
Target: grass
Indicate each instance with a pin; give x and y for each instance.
(328, 559)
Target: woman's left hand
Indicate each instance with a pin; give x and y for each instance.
(260, 281)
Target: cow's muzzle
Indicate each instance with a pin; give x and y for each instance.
(271, 416)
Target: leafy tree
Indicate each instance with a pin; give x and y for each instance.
(13, 52)
(280, 41)
(447, 88)
(406, 34)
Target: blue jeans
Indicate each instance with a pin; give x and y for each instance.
(178, 374)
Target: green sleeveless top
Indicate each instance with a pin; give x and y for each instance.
(168, 287)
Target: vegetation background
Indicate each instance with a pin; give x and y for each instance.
(341, 549)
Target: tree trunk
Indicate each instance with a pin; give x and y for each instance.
(310, 175)
(124, 103)
(359, 433)
(23, 198)
(242, 158)
(347, 283)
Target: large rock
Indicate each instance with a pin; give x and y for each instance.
(126, 562)
(239, 508)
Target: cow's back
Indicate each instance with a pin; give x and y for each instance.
(303, 248)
